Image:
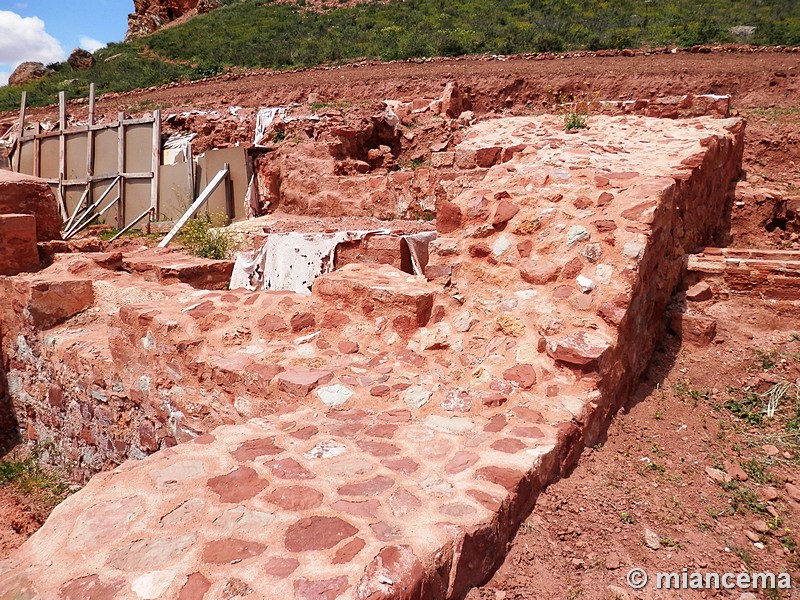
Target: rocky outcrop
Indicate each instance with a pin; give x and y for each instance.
(27, 72)
(151, 15)
(28, 195)
(81, 59)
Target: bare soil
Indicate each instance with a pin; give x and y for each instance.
(18, 520)
(589, 530)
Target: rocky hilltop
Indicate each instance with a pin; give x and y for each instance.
(151, 15)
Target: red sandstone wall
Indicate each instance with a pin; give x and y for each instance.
(23, 194)
(688, 220)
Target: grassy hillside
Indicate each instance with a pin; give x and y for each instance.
(259, 33)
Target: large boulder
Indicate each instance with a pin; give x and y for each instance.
(81, 59)
(27, 72)
(28, 195)
(152, 15)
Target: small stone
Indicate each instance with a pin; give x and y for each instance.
(577, 233)
(604, 198)
(523, 374)
(793, 491)
(457, 400)
(770, 450)
(505, 211)
(302, 321)
(614, 592)
(700, 292)
(585, 284)
(464, 322)
(751, 535)
(633, 250)
(613, 562)
(592, 252)
(736, 471)
(348, 347)
(769, 493)
(578, 349)
(502, 244)
(760, 525)
(717, 476)
(539, 271)
(317, 533)
(380, 391)
(334, 395)
(651, 539)
(748, 596)
(416, 396)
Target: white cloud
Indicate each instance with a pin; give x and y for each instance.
(25, 38)
(90, 44)
(4, 75)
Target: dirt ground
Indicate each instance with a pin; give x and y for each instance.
(589, 530)
(18, 519)
(648, 483)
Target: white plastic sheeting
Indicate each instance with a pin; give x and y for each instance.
(264, 120)
(291, 261)
(418, 248)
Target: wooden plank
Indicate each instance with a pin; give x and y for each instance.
(90, 141)
(23, 107)
(37, 149)
(62, 110)
(142, 121)
(62, 141)
(201, 199)
(62, 205)
(132, 224)
(121, 167)
(156, 160)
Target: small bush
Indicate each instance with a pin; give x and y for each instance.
(206, 237)
(575, 120)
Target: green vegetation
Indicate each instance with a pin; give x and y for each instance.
(261, 33)
(743, 500)
(575, 120)
(27, 476)
(747, 405)
(205, 236)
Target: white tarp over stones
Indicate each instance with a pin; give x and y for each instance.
(264, 120)
(418, 248)
(291, 261)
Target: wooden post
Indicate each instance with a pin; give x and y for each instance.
(121, 170)
(156, 162)
(90, 145)
(37, 150)
(23, 107)
(132, 224)
(62, 141)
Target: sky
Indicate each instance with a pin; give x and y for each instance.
(48, 30)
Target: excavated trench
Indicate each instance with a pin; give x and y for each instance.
(384, 436)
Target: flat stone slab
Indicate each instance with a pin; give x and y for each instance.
(380, 288)
(277, 509)
(166, 267)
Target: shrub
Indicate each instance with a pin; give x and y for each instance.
(575, 120)
(206, 236)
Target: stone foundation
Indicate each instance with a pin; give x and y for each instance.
(385, 436)
(18, 251)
